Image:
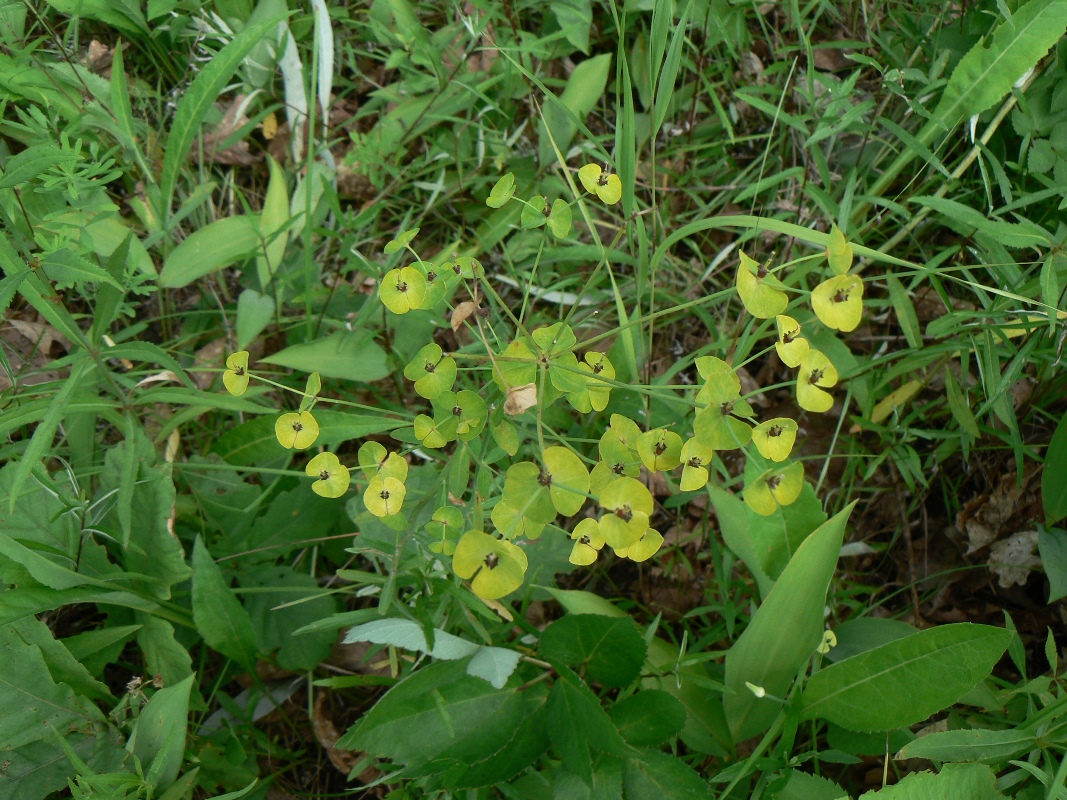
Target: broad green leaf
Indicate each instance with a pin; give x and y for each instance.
(158, 737)
(198, 99)
(534, 212)
(303, 602)
(733, 517)
(611, 648)
(905, 681)
(858, 635)
(585, 88)
(343, 355)
(954, 782)
(436, 717)
(214, 246)
(577, 725)
(1053, 480)
(62, 666)
(575, 17)
(528, 743)
(983, 746)
(648, 718)
(1052, 545)
(805, 786)
(99, 647)
(559, 220)
(503, 190)
(992, 66)
(219, 616)
(783, 633)
(410, 635)
(659, 775)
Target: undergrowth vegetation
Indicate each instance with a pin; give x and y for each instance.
(518, 400)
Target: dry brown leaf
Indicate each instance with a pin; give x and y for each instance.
(1013, 559)
(520, 398)
(461, 312)
(165, 375)
(327, 735)
(211, 356)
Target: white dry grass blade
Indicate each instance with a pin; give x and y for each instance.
(324, 43)
(296, 99)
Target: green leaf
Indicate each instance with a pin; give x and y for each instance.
(1053, 484)
(585, 88)
(734, 517)
(575, 18)
(273, 225)
(858, 635)
(648, 718)
(529, 743)
(957, 403)
(436, 717)
(63, 667)
(254, 442)
(784, 631)
(343, 355)
(611, 648)
(158, 737)
(1052, 545)
(905, 681)
(983, 746)
(303, 601)
(577, 724)
(803, 786)
(34, 161)
(218, 244)
(962, 781)
(662, 776)
(197, 100)
(67, 267)
(988, 71)
(254, 313)
(669, 72)
(503, 190)
(1009, 234)
(219, 616)
(35, 709)
(41, 441)
(905, 310)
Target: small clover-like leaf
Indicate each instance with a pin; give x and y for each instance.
(696, 457)
(436, 432)
(621, 431)
(402, 240)
(515, 366)
(467, 407)
(595, 394)
(791, 346)
(780, 486)
(394, 466)
(644, 548)
(760, 292)
(512, 523)
(445, 527)
(371, 456)
(838, 251)
(568, 480)
(559, 220)
(535, 212)
(331, 475)
(468, 268)
(235, 378)
(527, 487)
(587, 542)
(719, 428)
(432, 371)
(311, 391)
(384, 496)
(660, 449)
(774, 438)
(816, 373)
(628, 505)
(401, 290)
(606, 186)
(503, 190)
(495, 567)
(721, 384)
(439, 279)
(297, 429)
(838, 302)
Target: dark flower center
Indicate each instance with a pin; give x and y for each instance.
(694, 462)
(624, 513)
(816, 375)
(384, 495)
(660, 448)
(492, 560)
(545, 478)
(584, 540)
(298, 426)
(324, 475)
(773, 481)
(776, 430)
(238, 370)
(841, 296)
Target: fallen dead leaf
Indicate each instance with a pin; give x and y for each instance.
(461, 312)
(520, 398)
(1013, 559)
(232, 120)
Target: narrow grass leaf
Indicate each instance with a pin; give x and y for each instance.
(983, 746)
